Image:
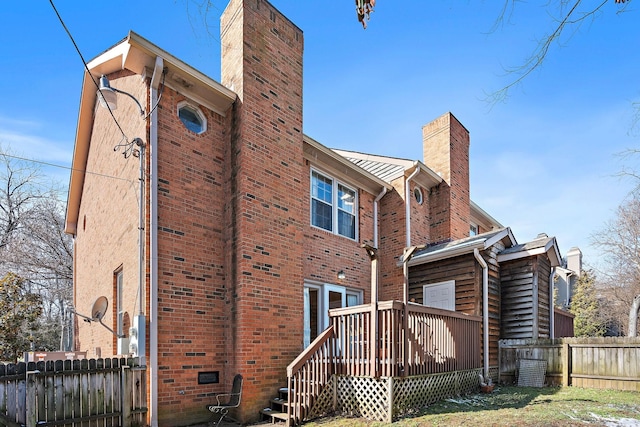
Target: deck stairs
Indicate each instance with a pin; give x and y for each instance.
(277, 410)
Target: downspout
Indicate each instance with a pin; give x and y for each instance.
(407, 203)
(374, 282)
(153, 245)
(485, 310)
(375, 217)
(552, 314)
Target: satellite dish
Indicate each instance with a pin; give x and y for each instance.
(97, 313)
(99, 308)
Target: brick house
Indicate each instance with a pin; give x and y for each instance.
(247, 231)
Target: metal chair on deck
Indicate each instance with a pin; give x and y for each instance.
(226, 401)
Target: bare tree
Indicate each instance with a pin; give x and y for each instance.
(568, 15)
(620, 241)
(34, 246)
(20, 191)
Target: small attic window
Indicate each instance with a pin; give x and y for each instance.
(417, 193)
(192, 117)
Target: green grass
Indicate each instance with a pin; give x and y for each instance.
(519, 406)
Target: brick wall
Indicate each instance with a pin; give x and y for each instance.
(107, 233)
(326, 253)
(446, 151)
(192, 276)
(393, 237)
(262, 62)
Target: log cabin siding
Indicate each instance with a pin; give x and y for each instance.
(490, 256)
(525, 298)
(544, 320)
(467, 274)
(517, 278)
(463, 269)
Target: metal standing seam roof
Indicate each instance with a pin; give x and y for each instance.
(385, 171)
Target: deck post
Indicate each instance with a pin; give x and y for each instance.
(390, 400)
(373, 329)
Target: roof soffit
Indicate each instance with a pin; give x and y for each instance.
(137, 55)
(550, 249)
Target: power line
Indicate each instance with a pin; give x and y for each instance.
(68, 168)
(86, 67)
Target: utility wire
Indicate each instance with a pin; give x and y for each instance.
(86, 67)
(68, 168)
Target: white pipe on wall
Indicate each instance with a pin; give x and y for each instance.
(407, 203)
(552, 303)
(375, 217)
(153, 244)
(485, 309)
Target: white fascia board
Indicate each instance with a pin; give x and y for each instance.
(446, 253)
(483, 214)
(333, 163)
(504, 234)
(554, 253)
(520, 254)
(551, 249)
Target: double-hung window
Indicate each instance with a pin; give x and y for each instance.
(333, 205)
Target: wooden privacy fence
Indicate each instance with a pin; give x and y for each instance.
(78, 393)
(563, 323)
(606, 363)
(364, 344)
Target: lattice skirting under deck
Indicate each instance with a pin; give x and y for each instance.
(385, 399)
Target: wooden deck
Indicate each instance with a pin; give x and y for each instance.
(390, 340)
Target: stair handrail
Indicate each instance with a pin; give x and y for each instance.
(295, 399)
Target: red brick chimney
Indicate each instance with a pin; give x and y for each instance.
(262, 63)
(445, 145)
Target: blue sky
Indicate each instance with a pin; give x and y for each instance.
(544, 160)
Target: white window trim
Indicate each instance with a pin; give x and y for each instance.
(418, 195)
(119, 302)
(334, 204)
(198, 112)
(451, 283)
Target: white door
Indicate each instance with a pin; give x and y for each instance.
(334, 297)
(440, 295)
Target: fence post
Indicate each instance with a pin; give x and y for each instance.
(566, 363)
(125, 384)
(31, 404)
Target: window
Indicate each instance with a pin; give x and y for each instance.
(417, 193)
(318, 300)
(119, 304)
(333, 205)
(440, 295)
(192, 117)
(473, 229)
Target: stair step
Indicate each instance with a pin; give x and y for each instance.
(274, 414)
(279, 401)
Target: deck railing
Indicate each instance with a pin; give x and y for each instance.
(308, 374)
(396, 340)
(411, 340)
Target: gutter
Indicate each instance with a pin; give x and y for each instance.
(448, 252)
(153, 245)
(407, 202)
(485, 310)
